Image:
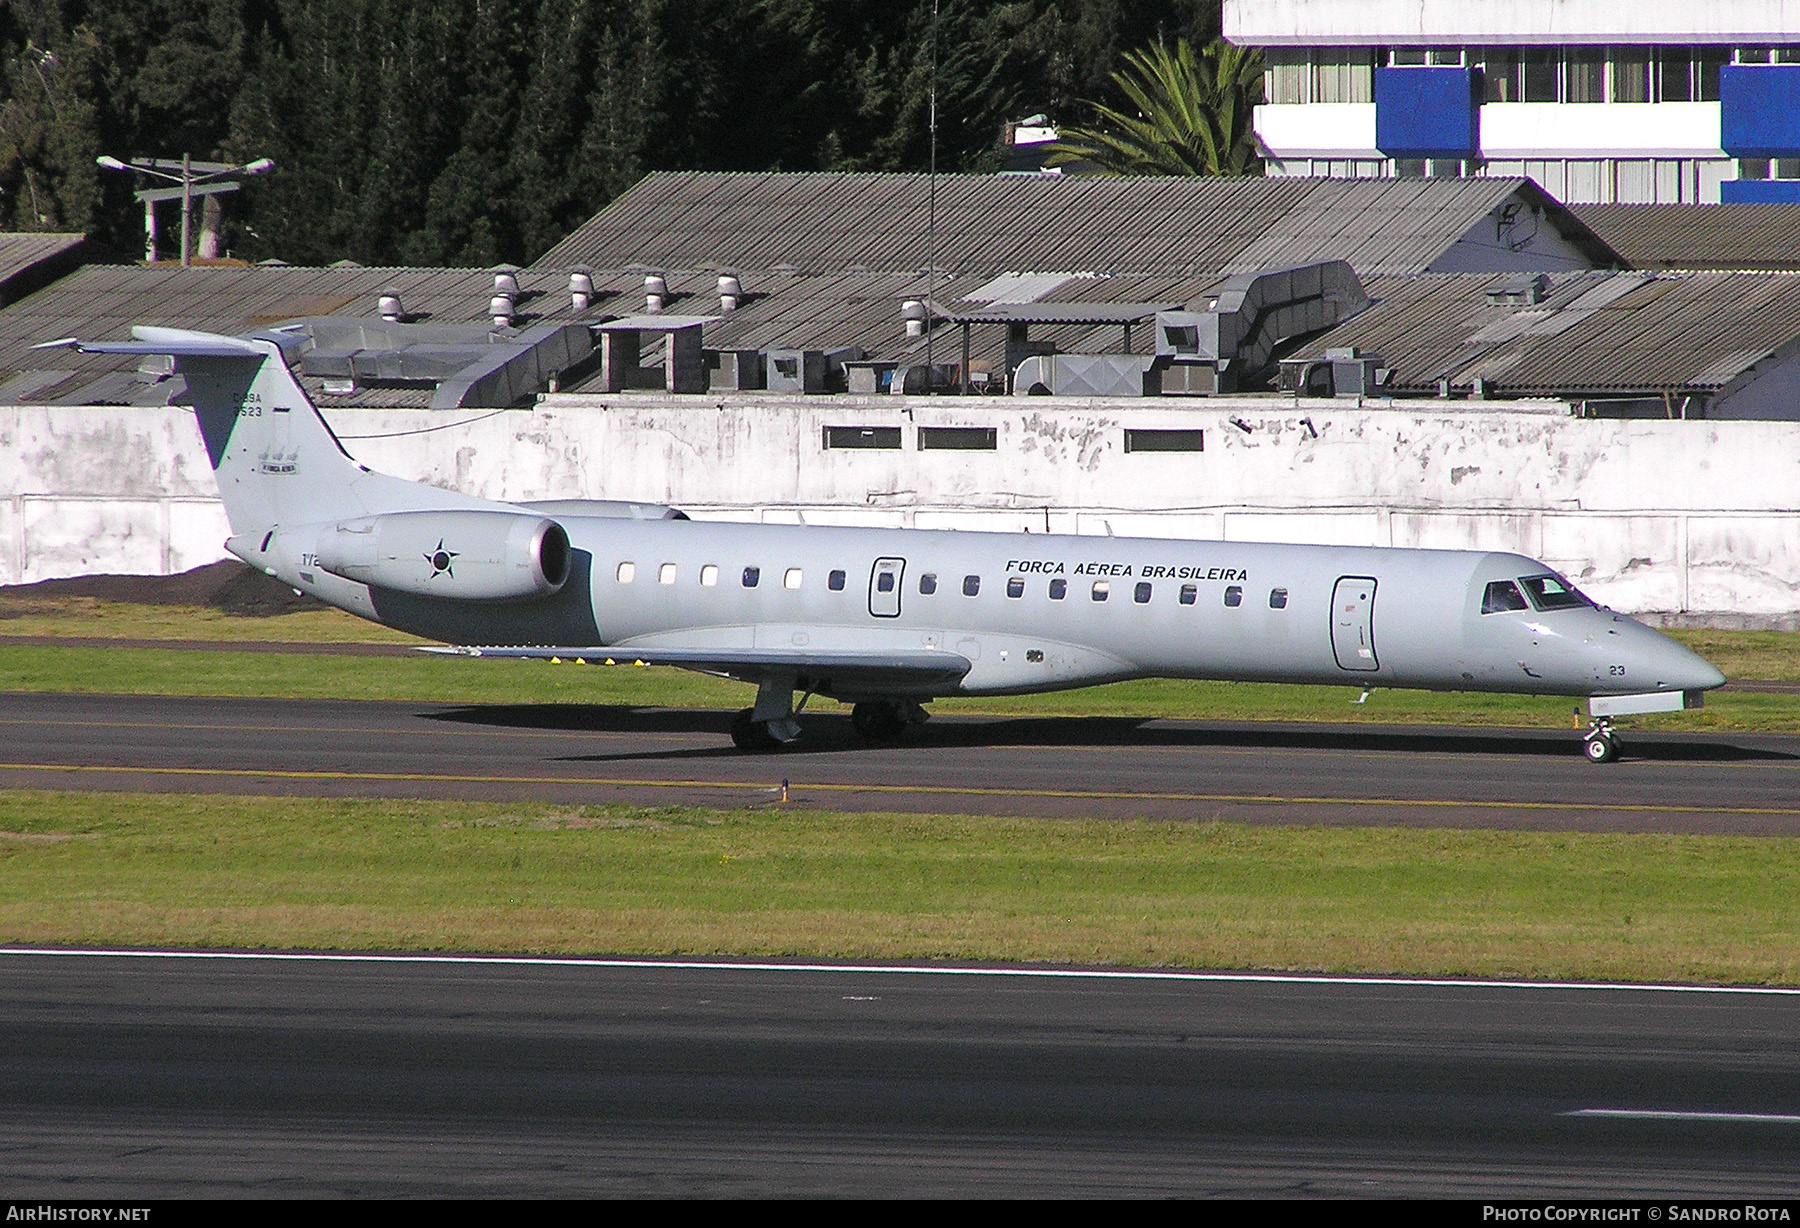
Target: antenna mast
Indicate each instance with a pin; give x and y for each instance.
(931, 203)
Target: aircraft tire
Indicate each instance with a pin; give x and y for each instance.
(878, 721)
(1602, 749)
(750, 735)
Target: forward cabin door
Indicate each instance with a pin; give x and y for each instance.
(884, 587)
(1353, 623)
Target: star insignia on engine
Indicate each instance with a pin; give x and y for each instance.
(441, 559)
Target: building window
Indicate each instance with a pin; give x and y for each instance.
(1631, 74)
(627, 572)
(1015, 587)
(666, 574)
(1058, 589)
(1500, 75)
(1706, 73)
(1584, 75)
(1141, 594)
(791, 578)
(752, 577)
(1142, 440)
(1409, 168)
(1539, 68)
(862, 437)
(1342, 74)
(971, 586)
(1278, 599)
(1102, 590)
(1285, 75)
(1753, 168)
(1234, 595)
(709, 575)
(835, 581)
(1189, 592)
(958, 438)
(928, 584)
(1674, 74)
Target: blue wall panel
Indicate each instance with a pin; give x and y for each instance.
(1425, 112)
(1759, 108)
(1760, 192)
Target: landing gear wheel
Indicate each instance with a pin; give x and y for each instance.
(878, 720)
(1602, 748)
(750, 734)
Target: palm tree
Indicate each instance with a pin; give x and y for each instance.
(1193, 115)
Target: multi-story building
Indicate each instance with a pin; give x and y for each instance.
(1599, 101)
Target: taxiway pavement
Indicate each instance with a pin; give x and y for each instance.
(1094, 766)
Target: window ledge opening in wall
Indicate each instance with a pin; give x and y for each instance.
(958, 438)
(1155, 439)
(843, 437)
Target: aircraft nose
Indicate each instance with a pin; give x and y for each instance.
(1675, 667)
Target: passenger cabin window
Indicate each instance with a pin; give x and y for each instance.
(791, 578)
(1059, 589)
(752, 577)
(835, 581)
(971, 585)
(1102, 590)
(665, 574)
(928, 583)
(1189, 593)
(627, 572)
(1141, 594)
(1015, 587)
(1501, 596)
(884, 583)
(1234, 595)
(709, 575)
(1551, 593)
(1278, 599)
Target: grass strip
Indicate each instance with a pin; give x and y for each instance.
(331, 874)
(427, 679)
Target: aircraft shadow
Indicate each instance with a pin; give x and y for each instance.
(832, 733)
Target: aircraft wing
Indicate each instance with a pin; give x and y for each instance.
(904, 670)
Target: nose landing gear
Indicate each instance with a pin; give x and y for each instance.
(1601, 744)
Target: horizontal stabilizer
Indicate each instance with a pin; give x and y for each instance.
(179, 342)
(912, 669)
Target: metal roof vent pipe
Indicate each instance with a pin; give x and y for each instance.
(581, 291)
(731, 292)
(500, 307)
(913, 312)
(506, 284)
(656, 293)
(391, 309)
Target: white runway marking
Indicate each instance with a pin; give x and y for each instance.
(1787, 1119)
(1070, 974)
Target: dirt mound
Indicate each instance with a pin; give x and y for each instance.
(227, 585)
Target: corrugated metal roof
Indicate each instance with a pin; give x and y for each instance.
(1596, 333)
(102, 302)
(996, 224)
(1699, 236)
(20, 252)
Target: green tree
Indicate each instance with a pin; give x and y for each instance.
(1193, 115)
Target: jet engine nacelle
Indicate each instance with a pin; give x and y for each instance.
(476, 555)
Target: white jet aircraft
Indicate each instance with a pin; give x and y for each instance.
(884, 619)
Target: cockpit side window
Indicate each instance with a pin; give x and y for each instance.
(1554, 593)
(1501, 596)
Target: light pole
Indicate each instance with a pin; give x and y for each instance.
(195, 178)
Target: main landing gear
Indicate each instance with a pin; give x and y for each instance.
(883, 720)
(1601, 744)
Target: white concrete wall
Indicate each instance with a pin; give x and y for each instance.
(1649, 515)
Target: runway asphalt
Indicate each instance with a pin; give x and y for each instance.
(1096, 767)
(154, 1077)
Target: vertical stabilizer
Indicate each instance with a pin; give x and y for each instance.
(276, 460)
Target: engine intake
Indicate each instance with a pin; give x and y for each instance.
(473, 555)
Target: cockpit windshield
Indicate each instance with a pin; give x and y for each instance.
(1501, 596)
(1553, 593)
